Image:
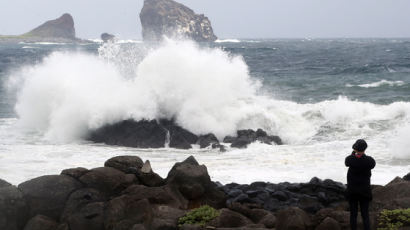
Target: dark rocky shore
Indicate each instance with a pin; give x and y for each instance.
(126, 194)
(158, 134)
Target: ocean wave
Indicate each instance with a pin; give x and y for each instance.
(379, 84)
(227, 41)
(206, 90)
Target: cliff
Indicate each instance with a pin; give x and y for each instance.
(167, 17)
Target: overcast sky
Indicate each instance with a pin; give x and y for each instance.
(230, 18)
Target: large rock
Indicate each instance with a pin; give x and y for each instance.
(89, 217)
(123, 163)
(167, 17)
(13, 208)
(163, 195)
(292, 219)
(106, 37)
(124, 212)
(40, 222)
(245, 137)
(62, 27)
(179, 137)
(129, 133)
(4, 183)
(230, 219)
(328, 223)
(79, 199)
(47, 195)
(193, 182)
(108, 180)
(394, 195)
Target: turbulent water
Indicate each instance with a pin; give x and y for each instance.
(318, 95)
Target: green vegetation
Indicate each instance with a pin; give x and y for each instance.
(394, 219)
(200, 216)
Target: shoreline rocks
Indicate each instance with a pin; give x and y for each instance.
(120, 196)
(165, 133)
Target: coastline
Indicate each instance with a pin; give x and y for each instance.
(107, 197)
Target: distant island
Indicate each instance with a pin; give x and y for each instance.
(172, 19)
(59, 30)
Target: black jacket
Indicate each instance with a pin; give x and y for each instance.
(358, 176)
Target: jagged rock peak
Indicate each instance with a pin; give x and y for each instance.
(170, 18)
(62, 27)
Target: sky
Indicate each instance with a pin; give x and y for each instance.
(229, 18)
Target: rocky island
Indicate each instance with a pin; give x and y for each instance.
(59, 30)
(172, 19)
(126, 194)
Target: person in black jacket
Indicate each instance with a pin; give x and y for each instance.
(358, 183)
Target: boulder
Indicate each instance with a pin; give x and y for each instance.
(292, 218)
(172, 19)
(106, 37)
(340, 216)
(75, 172)
(245, 137)
(230, 219)
(123, 163)
(62, 27)
(89, 217)
(179, 137)
(47, 195)
(192, 181)
(407, 177)
(207, 140)
(40, 222)
(107, 180)
(13, 208)
(269, 221)
(394, 195)
(130, 133)
(124, 212)
(79, 199)
(155, 195)
(4, 183)
(328, 223)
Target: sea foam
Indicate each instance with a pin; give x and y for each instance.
(206, 90)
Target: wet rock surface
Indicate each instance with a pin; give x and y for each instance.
(166, 133)
(126, 194)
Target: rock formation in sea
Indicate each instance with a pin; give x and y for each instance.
(156, 134)
(106, 37)
(127, 194)
(57, 30)
(170, 18)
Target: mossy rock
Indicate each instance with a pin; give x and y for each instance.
(394, 219)
(199, 216)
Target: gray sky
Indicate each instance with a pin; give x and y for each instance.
(230, 18)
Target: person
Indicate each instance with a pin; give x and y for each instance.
(358, 183)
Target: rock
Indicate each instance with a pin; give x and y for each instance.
(41, 222)
(230, 219)
(129, 133)
(62, 27)
(123, 163)
(107, 180)
(193, 182)
(126, 211)
(407, 177)
(150, 179)
(146, 168)
(394, 195)
(329, 223)
(172, 19)
(179, 137)
(4, 183)
(207, 140)
(155, 195)
(161, 224)
(340, 216)
(75, 172)
(268, 221)
(47, 195)
(13, 208)
(80, 199)
(309, 204)
(245, 137)
(292, 218)
(89, 217)
(106, 37)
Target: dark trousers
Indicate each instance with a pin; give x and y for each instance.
(364, 210)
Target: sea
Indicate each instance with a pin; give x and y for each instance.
(318, 95)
